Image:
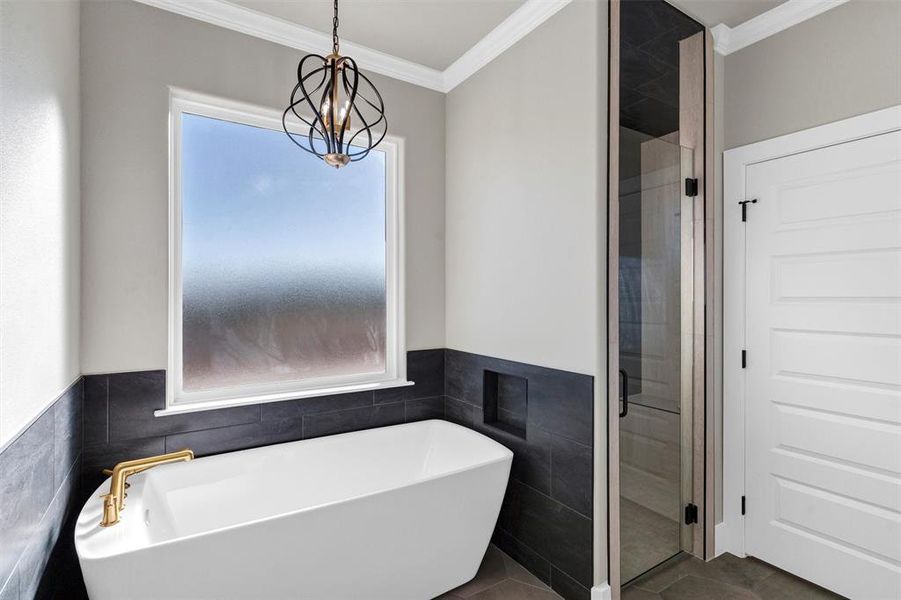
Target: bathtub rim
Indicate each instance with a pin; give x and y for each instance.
(80, 544)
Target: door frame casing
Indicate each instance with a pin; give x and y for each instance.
(706, 288)
(612, 324)
(730, 535)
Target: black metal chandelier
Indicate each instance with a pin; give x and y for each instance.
(346, 123)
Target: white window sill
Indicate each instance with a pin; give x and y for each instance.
(189, 407)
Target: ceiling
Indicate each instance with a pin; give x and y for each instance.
(433, 33)
(649, 65)
(438, 44)
(730, 12)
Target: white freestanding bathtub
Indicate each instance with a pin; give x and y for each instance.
(402, 512)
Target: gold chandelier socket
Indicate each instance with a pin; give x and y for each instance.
(336, 160)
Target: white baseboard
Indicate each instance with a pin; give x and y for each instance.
(728, 539)
(720, 539)
(601, 592)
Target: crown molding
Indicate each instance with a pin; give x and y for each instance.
(266, 27)
(729, 39)
(721, 34)
(512, 29)
(248, 21)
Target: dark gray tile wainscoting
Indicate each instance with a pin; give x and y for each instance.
(38, 497)
(545, 523)
(543, 415)
(120, 424)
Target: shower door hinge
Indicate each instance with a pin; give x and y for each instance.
(744, 208)
(742, 505)
(691, 514)
(744, 359)
(691, 187)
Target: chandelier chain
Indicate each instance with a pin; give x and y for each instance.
(335, 30)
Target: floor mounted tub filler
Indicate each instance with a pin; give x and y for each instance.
(402, 512)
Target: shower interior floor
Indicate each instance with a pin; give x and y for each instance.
(648, 539)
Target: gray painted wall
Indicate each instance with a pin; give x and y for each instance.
(526, 212)
(130, 54)
(842, 63)
(39, 208)
(537, 238)
(524, 164)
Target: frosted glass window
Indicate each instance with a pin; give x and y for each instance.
(283, 264)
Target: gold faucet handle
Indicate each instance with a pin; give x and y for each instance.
(110, 511)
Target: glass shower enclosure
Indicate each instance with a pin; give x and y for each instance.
(656, 308)
(660, 58)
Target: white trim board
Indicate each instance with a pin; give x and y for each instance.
(601, 592)
(266, 27)
(250, 22)
(523, 21)
(730, 534)
(729, 39)
(721, 541)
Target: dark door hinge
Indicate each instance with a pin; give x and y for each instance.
(691, 514)
(742, 505)
(744, 359)
(691, 187)
(744, 208)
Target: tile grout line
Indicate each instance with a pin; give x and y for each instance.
(547, 431)
(492, 586)
(545, 587)
(106, 387)
(550, 470)
(530, 549)
(536, 552)
(552, 499)
(27, 547)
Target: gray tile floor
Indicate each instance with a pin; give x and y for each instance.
(501, 578)
(726, 577)
(685, 577)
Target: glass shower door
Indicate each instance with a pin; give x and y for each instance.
(656, 285)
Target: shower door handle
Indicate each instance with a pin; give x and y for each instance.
(624, 386)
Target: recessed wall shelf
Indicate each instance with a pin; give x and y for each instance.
(506, 402)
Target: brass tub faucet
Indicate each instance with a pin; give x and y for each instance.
(114, 501)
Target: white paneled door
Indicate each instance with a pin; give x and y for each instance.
(823, 372)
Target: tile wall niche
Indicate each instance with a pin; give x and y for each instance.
(545, 521)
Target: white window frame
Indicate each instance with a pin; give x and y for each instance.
(177, 400)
